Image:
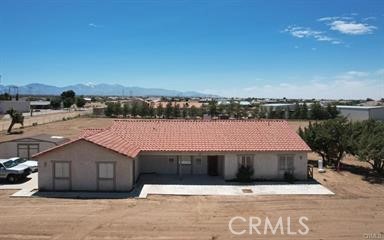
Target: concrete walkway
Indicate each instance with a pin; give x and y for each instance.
(187, 186)
(217, 186)
(233, 190)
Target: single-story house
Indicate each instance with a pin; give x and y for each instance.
(112, 159)
(26, 147)
(361, 113)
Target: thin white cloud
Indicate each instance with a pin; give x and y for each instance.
(326, 19)
(352, 28)
(348, 85)
(348, 25)
(306, 32)
(94, 25)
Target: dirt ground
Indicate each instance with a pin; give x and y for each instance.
(355, 211)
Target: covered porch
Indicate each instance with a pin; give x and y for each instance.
(181, 165)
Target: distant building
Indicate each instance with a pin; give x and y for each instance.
(20, 106)
(361, 113)
(284, 107)
(25, 147)
(245, 103)
(40, 104)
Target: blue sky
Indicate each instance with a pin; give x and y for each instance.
(330, 49)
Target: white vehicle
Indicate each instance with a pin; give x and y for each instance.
(12, 171)
(32, 164)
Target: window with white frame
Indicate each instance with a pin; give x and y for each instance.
(245, 160)
(106, 170)
(62, 169)
(286, 162)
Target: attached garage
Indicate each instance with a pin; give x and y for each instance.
(85, 166)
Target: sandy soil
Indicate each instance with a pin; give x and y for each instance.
(356, 209)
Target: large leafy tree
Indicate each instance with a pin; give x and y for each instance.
(68, 98)
(369, 143)
(330, 139)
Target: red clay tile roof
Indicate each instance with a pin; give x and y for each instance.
(129, 137)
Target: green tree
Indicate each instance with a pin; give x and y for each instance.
(160, 110)
(117, 109)
(151, 111)
(135, 109)
(194, 112)
(332, 111)
(176, 111)
(369, 143)
(80, 102)
(68, 102)
(212, 105)
(144, 110)
(68, 98)
(330, 139)
(304, 111)
(125, 110)
(56, 103)
(68, 94)
(185, 111)
(168, 110)
(109, 110)
(297, 112)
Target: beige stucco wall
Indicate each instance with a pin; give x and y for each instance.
(265, 165)
(84, 157)
(9, 149)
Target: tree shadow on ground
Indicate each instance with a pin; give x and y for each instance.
(367, 174)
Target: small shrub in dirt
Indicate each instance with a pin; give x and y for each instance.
(244, 174)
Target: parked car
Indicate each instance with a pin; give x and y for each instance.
(12, 171)
(32, 164)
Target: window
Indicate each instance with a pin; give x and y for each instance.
(106, 170)
(61, 169)
(286, 162)
(245, 160)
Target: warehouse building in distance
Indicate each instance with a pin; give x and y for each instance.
(361, 113)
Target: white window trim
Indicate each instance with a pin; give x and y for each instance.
(240, 160)
(113, 171)
(61, 162)
(285, 166)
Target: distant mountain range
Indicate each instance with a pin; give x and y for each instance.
(99, 90)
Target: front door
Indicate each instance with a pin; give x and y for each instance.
(61, 176)
(213, 165)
